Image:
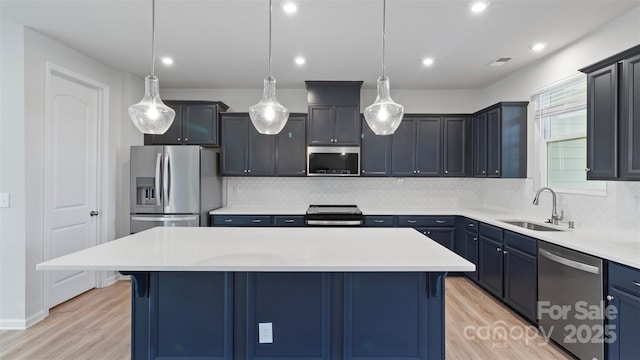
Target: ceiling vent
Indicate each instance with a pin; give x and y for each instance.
(501, 61)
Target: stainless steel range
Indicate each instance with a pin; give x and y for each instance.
(334, 215)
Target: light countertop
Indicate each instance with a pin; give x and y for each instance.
(267, 249)
(609, 244)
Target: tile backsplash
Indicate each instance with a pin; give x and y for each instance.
(619, 210)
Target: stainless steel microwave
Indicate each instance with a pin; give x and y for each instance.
(333, 161)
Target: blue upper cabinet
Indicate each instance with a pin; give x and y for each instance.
(416, 147)
(196, 123)
(375, 153)
(613, 117)
(334, 113)
(455, 146)
(245, 152)
(499, 140)
(291, 148)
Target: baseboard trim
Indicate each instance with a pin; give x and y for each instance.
(20, 324)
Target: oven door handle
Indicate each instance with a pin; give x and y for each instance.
(570, 263)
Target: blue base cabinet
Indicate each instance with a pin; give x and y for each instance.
(313, 315)
(521, 274)
(624, 295)
(490, 259)
(469, 231)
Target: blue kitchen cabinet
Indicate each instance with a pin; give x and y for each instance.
(294, 220)
(490, 266)
(334, 113)
(469, 229)
(375, 152)
(196, 123)
(241, 220)
(444, 236)
(630, 119)
(521, 274)
(441, 229)
(623, 293)
(455, 143)
(379, 221)
(245, 152)
(291, 147)
(499, 137)
(416, 147)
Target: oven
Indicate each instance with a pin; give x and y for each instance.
(334, 215)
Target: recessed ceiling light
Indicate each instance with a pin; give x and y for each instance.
(300, 60)
(479, 6)
(289, 8)
(427, 62)
(538, 46)
(166, 60)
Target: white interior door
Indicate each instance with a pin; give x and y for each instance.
(71, 180)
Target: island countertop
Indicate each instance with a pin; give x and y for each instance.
(267, 250)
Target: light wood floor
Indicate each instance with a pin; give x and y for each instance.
(95, 325)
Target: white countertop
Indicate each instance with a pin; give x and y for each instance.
(267, 249)
(621, 247)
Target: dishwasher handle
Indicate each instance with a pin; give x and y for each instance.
(568, 262)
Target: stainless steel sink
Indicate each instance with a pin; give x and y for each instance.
(530, 225)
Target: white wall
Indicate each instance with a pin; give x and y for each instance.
(12, 176)
(22, 287)
(414, 101)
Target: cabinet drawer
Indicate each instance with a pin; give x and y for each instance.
(386, 221)
(492, 232)
(297, 220)
(448, 221)
(241, 220)
(413, 221)
(470, 225)
(623, 277)
(520, 242)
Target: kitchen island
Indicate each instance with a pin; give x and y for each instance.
(273, 293)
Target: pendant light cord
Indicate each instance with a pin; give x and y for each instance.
(153, 37)
(384, 25)
(270, 10)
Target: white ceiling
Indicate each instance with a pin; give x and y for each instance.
(223, 43)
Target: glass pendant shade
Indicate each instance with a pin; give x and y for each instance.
(384, 115)
(268, 116)
(151, 115)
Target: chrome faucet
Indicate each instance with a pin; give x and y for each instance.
(554, 212)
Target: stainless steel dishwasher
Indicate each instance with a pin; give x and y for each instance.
(570, 300)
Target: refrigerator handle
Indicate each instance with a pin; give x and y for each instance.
(157, 180)
(166, 183)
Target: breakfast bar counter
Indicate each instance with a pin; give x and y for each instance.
(273, 293)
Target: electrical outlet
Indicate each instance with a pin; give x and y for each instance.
(4, 200)
(265, 333)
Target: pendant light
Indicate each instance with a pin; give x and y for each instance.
(384, 115)
(151, 115)
(268, 116)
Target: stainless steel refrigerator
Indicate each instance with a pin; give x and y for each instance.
(173, 186)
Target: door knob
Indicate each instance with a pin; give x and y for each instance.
(94, 213)
(609, 297)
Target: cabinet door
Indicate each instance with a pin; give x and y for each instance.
(173, 136)
(291, 148)
(630, 120)
(490, 265)
(480, 145)
(455, 146)
(443, 235)
(320, 131)
(602, 124)
(520, 282)
(375, 153)
(262, 153)
(200, 124)
(626, 325)
(494, 143)
(346, 126)
(403, 149)
(429, 147)
(234, 144)
(471, 252)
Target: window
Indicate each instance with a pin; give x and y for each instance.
(561, 113)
